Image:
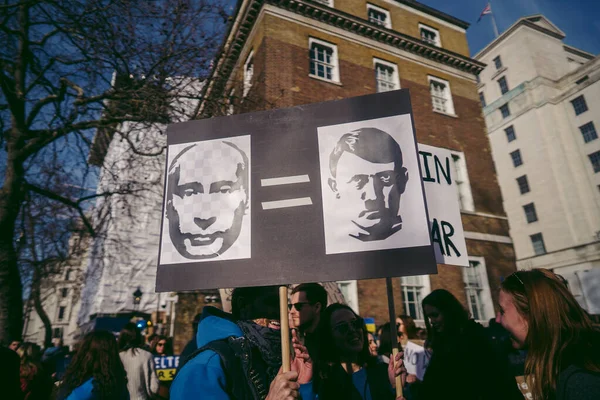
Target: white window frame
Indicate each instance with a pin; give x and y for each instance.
(425, 289)
(335, 71)
(388, 20)
(395, 77)
(463, 184)
(248, 73)
(487, 305)
(438, 39)
(349, 290)
(447, 96)
(325, 2)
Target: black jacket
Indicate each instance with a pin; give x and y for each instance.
(468, 369)
(339, 385)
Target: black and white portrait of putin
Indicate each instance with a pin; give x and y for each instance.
(368, 178)
(207, 198)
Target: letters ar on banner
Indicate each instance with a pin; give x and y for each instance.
(321, 192)
(441, 192)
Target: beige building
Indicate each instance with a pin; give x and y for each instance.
(541, 102)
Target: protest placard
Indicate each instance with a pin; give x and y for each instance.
(321, 192)
(441, 192)
(166, 366)
(416, 359)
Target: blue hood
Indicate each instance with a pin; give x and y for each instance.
(214, 325)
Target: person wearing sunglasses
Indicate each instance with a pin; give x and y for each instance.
(344, 367)
(563, 347)
(308, 301)
(161, 346)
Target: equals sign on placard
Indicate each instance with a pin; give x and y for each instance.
(285, 180)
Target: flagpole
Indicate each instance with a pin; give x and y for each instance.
(493, 20)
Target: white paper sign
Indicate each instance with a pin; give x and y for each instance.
(416, 359)
(441, 192)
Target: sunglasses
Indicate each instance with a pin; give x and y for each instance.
(161, 343)
(345, 327)
(298, 306)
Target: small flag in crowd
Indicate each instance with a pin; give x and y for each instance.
(486, 10)
(370, 323)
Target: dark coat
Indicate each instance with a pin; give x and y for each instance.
(339, 385)
(469, 369)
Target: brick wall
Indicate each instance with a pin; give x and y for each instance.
(407, 22)
(282, 77)
(188, 305)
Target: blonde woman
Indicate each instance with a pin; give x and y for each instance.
(563, 348)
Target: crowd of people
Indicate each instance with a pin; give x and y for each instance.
(104, 366)
(238, 355)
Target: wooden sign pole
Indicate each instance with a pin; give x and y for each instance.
(285, 329)
(394, 332)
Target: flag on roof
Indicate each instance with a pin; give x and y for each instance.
(486, 10)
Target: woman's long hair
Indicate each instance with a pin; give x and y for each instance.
(130, 337)
(560, 333)
(97, 358)
(31, 356)
(385, 340)
(455, 319)
(411, 327)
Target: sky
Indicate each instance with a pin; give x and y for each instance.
(578, 19)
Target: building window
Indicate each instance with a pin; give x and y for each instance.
(248, 73)
(516, 158)
(537, 241)
(68, 275)
(349, 290)
(379, 16)
(477, 289)
(498, 62)
(386, 76)
(589, 132)
(579, 105)
(323, 60)
(461, 178)
(414, 289)
(441, 97)
(503, 85)
(530, 213)
(510, 133)
(430, 35)
(64, 292)
(595, 160)
(61, 313)
(477, 79)
(523, 184)
(504, 110)
(57, 333)
(482, 99)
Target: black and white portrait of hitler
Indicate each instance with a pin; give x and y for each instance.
(207, 199)
(368, 178)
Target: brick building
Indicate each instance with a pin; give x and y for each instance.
(283, 53)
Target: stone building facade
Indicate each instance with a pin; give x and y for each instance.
(283, 53)
(541, 103)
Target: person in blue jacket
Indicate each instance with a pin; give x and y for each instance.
(96, 371)
(238, 357)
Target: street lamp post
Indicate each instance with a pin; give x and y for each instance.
(137, 297)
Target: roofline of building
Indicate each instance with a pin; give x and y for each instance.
(436, 13)
(524, 21)
(241, 28)
(578, 52)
